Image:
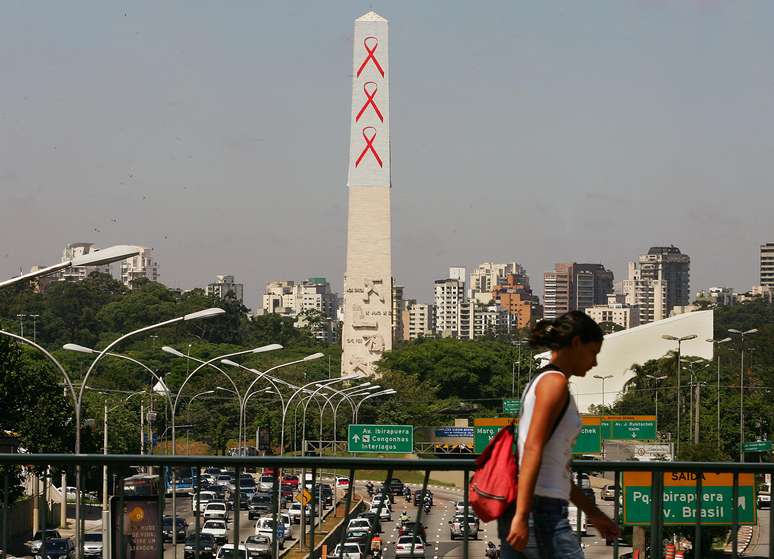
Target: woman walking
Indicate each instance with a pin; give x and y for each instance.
(538, 528)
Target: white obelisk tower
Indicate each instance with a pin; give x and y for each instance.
(367, 329)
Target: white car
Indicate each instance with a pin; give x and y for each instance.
(295, 513)
(349, 550)
(403, 547)
(266, 483)
(381, 499)
(217, 529)
(224, 480)
(227, 552)
(356, 523)
(198, 505)
(342, 481)
(385, 515)
(263, 527)
(217, 510)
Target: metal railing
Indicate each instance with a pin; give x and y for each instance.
(314, 467)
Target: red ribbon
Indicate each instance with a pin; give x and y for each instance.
(370, 56)
(369, 101)
(369, 146)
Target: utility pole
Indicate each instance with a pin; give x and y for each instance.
(21, 324)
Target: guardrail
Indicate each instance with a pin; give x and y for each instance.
(663, 477)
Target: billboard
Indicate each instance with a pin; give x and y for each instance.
(136, 527)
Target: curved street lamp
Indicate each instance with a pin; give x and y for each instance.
(387, 392)
(741, 335)
(679, 341)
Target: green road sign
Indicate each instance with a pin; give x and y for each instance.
(398, 439)
(679, 499)
(589, 440)
(629, 427)
(511, 406)
(757, 446)
(484, 430)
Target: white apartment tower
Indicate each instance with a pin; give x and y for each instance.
(767, 265)
(449, 300)
(143, 265)
(418, 320)
(79, 273)
(650, 295)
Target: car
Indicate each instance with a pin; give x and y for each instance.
(407, 529)
(264, 527)
(360, 536)
(349, 550)
(92, 544)
(266, 483)
(260, 503)
(364, 523)
(37, 539)
(381, 499)
(166, 528)
(457, 527)
(216, 510)
(373, 518)
(459, 507)
(764, 496)
(608, 493)
(342, 481)
(410, 546)
(58, 548)
(198, 504)
(589, 493)
(418, 496)
(295, 512)
(384, 512)
(217, 529)
(258, 547)
(396, 486)
(206, 546)
(291, 480)
(227, 551)
(223, 480)
(324, 492)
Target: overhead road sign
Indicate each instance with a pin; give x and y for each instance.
(395, 439)
(589, 439)
(757, 446)
(484, 430)
(629, 427)
(679, 498)
(512, 406)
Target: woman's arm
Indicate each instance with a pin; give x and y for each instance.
(607, 528)
(550, 396)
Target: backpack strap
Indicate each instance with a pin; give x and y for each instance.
(549, 367)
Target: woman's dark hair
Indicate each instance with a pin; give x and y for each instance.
(559, 333)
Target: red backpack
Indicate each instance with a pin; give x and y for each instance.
(494, 484)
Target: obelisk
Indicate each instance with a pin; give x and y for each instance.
(367, 328)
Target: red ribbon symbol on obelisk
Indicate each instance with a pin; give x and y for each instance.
(370, 101)
(369, 146)
(370, 56)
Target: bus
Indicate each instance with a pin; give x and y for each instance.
(142, 484)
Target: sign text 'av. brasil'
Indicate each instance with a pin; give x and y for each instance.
(680, 503)
(398, 439)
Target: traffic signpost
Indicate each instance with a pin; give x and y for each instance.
(679, 499)
(589, 439)
(304, 498)
(484, 430)
(757, 446)
(512, 407)
(395, 439)
(629, 427)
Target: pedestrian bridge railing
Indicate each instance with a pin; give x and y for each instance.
(697, 499)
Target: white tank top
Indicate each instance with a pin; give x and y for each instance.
(554, 476)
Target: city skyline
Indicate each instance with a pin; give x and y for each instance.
(593, 143)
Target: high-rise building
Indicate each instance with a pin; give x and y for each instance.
(143, 265)
(367, 327)
(488, 275)
(669, 265)
(616, 311)
(79, 273)
(418, 320)
(767, 265)
(449, 300)
(572, 286)
(224, 287)
(291, 298)
(397, 312)
(514, 295)
(648, 294)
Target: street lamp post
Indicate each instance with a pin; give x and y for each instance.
(655, 383)
(692, 385)
(188, 415)
(741, 335)
(387, 392)
(716, 344)
(679, 341)
(603, 379)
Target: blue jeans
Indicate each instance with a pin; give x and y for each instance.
(550, 533)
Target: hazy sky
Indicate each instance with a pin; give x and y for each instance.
(217, 133)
